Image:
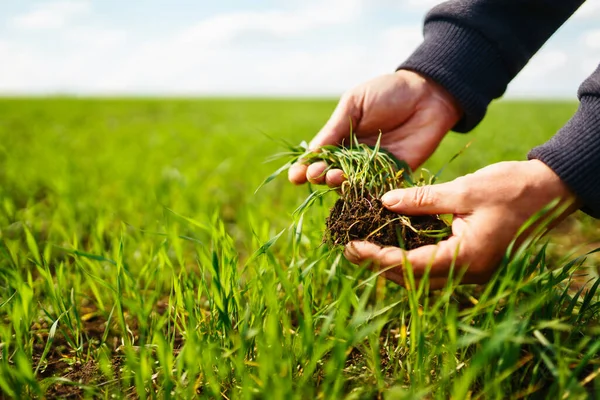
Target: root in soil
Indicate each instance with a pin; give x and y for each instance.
(367, 219)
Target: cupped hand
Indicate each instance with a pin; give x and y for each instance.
(489, 207)
(412, 112)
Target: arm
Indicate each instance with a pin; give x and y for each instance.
(474, 48)
(574, 152)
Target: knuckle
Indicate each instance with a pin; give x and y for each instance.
(389, 257)
(462, 191)
(394, 277)
(423, 196)
(348, 97)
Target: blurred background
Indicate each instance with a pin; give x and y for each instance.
(133, 137)
(112, 112)
(234, 47)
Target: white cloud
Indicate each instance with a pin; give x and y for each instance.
(402, 40)
(544, 64)
(422, 4)
(52, 15)
(392, 46)
(97, 38)
(223, 28)
(591, 39)
(311, 47)
(406, 5)
(590, 44)
(13, 74)
(208, 58)
(555, 71)
(191, 62)
(590, 10)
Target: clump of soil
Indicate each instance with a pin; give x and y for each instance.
(367, 219)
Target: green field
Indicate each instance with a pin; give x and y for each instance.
(137, 261)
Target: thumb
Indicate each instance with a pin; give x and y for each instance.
(345, 117)
(444, 198)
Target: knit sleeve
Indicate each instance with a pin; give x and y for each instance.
(474, 48)
(574, 152)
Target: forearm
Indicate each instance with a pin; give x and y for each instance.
(474, 48)
(574, 152)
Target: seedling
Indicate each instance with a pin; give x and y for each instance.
(359, 213)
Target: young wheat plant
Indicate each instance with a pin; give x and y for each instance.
(369, 173)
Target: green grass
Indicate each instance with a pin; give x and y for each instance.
(137, 261)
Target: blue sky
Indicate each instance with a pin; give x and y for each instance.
(235, 47)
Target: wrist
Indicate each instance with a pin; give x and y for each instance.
(548, 182)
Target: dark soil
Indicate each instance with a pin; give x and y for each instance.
(83, 376)
(367, 219)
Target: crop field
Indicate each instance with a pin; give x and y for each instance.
(137, 261)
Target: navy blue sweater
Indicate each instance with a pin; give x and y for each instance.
(474, 48)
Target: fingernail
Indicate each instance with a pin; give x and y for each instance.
(350, 252)
(390, 199)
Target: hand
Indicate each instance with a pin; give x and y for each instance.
(489, 208)
(412, 112)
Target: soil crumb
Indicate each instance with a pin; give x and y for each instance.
(367, 219)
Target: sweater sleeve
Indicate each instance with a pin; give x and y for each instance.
(474, 48)
(574, 152)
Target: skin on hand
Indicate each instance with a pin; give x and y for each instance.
(489, 208)
(412, 112)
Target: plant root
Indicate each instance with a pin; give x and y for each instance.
(367, 219)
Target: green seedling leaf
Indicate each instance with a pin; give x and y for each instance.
(587, 300)
(8, 300)
(191, 221)
(454, 157)
(94, 257)
(33, 247)
(314, 196)
(274, 175)
(265, 247)
(51, 335)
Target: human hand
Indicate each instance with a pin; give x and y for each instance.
(412, 112)
(489, 208)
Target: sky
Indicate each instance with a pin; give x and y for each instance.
(235, 47)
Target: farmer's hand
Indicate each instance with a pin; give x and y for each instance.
(489, 207)
(413, 113)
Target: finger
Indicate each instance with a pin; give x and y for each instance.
(444, 198)
(359, 252)
(337, 128)
(474, 258)
(316, 172)
(297, 173)
(334, 178)
(389, 261)
(437, 259)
